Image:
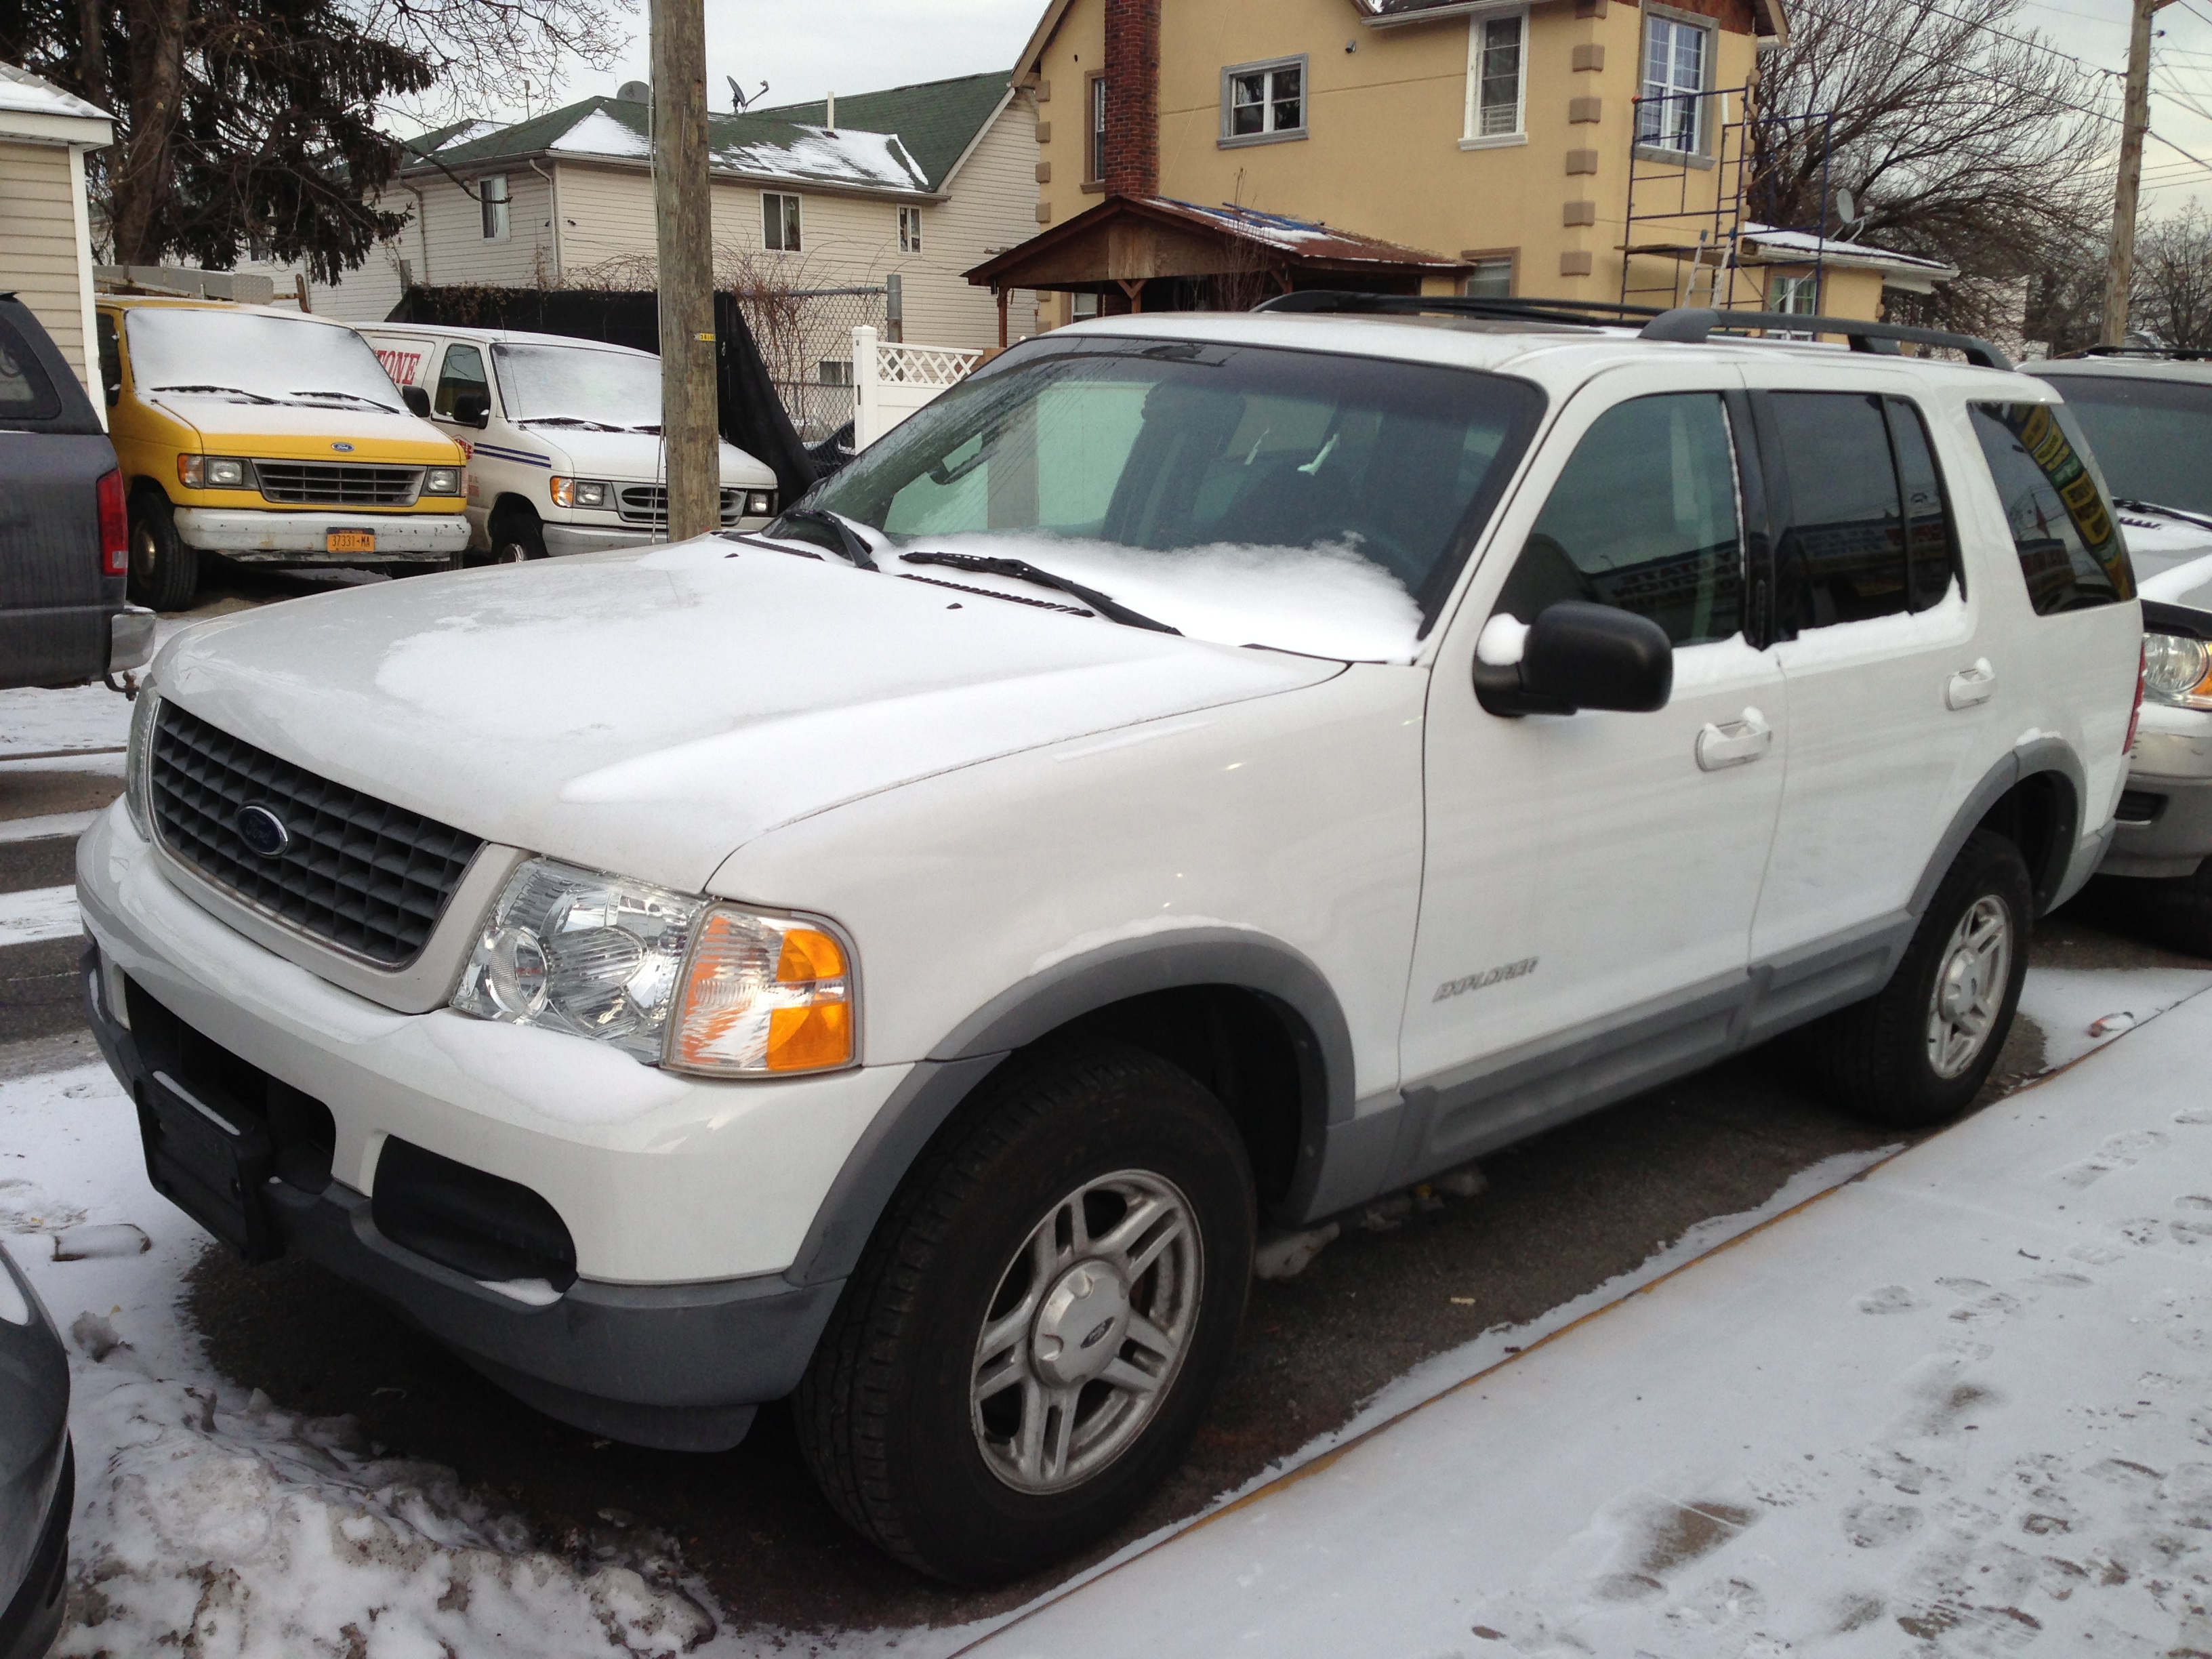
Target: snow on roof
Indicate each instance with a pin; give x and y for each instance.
(1302, 236)
(599, 134)
(26, 94)
(827, 156)
(466, 133)
(1832, 249)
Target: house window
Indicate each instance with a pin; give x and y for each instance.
(1263, 101)
(909, 230)
(1492, 278)
(1496, 83)
(1670, 115)
(1094, 144)
(492, 193)
(779, 221)
(1082, 306)
(1795, 297)
(836, 371)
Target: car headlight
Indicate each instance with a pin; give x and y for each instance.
(579, 492)
(671, 978)
(760, 503)
(138, 764)
(210, 472)
(2177, 671)
(442, 481)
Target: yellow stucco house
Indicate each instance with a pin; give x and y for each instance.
(1582, 150)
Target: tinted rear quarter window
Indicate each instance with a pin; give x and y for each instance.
(2070, 551)
(1842, 555)
(25, 392)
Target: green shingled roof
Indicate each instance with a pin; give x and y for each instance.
(935, 121)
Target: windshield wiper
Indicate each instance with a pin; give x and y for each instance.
(571, 420)
(230, 391)
(2201, 520)
(847, 540)
(1022, 570)
(351, 397)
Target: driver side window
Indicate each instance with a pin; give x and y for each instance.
(1645, 518)
(462, 372)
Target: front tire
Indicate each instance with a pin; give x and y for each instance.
(517, 537)
(1037, 1325)
(165, 574)
(1917, 1052)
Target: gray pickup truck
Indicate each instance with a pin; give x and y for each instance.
(64, 548)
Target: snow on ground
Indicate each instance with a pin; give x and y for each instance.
(1963, 1406)
(204, 1510)
(2079, 1008)
(38, 913)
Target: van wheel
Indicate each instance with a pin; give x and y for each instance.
(165, 574)
(1033, 1331)
(1917, 1052)
(516, 538)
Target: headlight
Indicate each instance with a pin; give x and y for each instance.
(442, 481)
(760, 503)
(579, 492)
(2177, 671)
(666, 976)
(138, 764)
(210, 472)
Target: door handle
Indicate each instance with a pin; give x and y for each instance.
(1738, 743)
(1970, 686)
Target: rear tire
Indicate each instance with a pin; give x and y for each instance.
(165, 574)
(1917, 1053)
(1006, 1376)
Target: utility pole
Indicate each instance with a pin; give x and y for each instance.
(2135, 122)
(689, 428)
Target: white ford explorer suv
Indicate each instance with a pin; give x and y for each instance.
(562, 437)
(1204, 772)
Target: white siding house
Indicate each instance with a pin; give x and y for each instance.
(46, 238)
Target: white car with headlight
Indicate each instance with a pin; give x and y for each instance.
(562, 437)
(1202, 772)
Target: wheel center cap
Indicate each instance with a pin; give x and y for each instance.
(1080, 1325)
(1962, 985)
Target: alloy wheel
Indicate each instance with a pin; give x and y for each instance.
(1973, 971)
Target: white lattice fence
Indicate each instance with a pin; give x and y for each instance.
(892, 380)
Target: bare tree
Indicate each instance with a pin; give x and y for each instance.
(2173, 300)
(1956, 133)
(486, 56)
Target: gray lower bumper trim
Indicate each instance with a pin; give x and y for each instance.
(2175, 840)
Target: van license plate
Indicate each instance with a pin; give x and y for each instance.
(350, 541)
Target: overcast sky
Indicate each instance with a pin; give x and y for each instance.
(859, 45)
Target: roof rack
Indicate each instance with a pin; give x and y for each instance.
(1684, 324)
(2177, 353)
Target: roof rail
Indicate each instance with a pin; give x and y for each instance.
(1689, 326)
(1693, 326)
(2177, 353)
(1589, 314)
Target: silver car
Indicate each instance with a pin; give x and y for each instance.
(38, 1470)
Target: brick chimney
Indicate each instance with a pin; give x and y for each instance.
(1132, 97)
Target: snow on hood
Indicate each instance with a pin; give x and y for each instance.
(2186, 580)
(217, 417)
(628, 457)
(650, 712)
(2157, 541)
(1325, 601)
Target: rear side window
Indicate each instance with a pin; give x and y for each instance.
(1644, 520)
(26, 393)
(2070, 550)
(463, 372)
(1931, 543)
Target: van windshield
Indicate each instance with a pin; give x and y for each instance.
(254, 356)
(611, 389)
(2153, 438)
(1248, 496)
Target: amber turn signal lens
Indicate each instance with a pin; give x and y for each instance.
(810, 1039)
(808, 955)
(765, 995)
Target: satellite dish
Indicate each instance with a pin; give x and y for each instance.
(1846, 209)
(740, 100)
(635, 92)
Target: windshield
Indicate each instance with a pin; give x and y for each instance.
(607, 388)
(248, 356)
(1243, 495)
(2153, 438)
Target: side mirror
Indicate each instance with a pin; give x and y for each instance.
(114, 396)
(416, 399)
(1581, 656)
(473, 408)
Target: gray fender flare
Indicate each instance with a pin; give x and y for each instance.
(2044, 754)
(1043, 1004)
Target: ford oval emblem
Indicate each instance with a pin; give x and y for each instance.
(343, 449)
(263, 831)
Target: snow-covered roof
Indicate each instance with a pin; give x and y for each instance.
(1770, 245)
(23, 92)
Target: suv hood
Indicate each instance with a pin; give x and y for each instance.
(623, 457)
(2159, 541)
(650, 712)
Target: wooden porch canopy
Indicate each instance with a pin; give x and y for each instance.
(1142, 252)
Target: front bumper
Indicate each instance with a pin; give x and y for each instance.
(301, 537)
(562, 539)
(686, 1200)
(2164, 825)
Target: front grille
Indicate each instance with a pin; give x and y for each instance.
(329, 483)
(368, 877)
(648, 504)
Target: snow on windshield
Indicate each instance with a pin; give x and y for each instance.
(612, 388)
(1243, 495)
(1325, 601)
(253, 353)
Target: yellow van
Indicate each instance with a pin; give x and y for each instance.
(266, 436)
